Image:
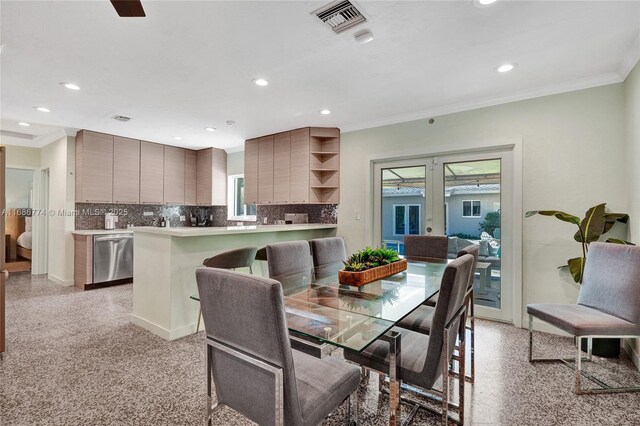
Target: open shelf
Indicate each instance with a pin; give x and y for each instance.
(324, 187)
(324, 170)
(327, 153)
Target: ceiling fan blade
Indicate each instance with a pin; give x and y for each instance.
(128, 8)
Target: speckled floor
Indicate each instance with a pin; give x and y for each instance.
(73, 358)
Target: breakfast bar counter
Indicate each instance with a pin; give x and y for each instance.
(165, 261)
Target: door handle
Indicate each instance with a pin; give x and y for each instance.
(429, 229)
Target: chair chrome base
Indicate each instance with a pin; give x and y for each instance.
(576, 364)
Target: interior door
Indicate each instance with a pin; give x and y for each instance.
(3, 273)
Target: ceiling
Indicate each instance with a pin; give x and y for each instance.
(189, 65)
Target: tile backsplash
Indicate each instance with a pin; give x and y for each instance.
(91, 216)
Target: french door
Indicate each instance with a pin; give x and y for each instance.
(3, 273)
(468, 198)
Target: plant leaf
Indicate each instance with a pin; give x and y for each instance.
(592, 225)
(565, 217)
(576, 268)
(612, 218)
(618, 241)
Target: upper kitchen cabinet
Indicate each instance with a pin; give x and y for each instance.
(282, 168)
(297, 167)
(251, 152)
(211, 178)
(299, 172)
(174, 175)
(94, 167)
(265, 170)
(190, 177)
(324, 164)
(151, 173)
(126, 170)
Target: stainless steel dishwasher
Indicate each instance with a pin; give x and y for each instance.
(112, 257)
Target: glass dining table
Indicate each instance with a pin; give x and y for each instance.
(319, 308)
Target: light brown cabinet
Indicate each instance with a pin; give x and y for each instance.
(299, 182)
(151, 173)
(126, 170)
(94, 167)
(282, 168)
(297, 167)
(190, 177)
(251, 151)
(265, 170)
(174, 175)
(211, 177)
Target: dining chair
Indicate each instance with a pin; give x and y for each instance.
(328, 256)
(423, 247)
(230, 259)
(250, 360)
(420, 320)
(425, 358)
(608, 306)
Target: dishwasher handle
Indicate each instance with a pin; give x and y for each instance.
(112, 238)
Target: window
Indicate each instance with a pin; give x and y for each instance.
(236, 208)
(471, 209)
(406, 219)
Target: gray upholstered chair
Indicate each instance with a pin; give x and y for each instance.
(250, 360)
(608, 305)
(420, 319)
(425, 358)
(424, 247)
(261, 254)
(328, 255)
(242, 257)
(290, 263)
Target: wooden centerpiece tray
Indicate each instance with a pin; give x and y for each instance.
(361, 278)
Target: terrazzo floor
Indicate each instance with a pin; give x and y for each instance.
(73, 358)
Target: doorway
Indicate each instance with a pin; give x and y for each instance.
(468, 198)
(19, 230)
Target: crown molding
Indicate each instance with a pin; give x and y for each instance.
(571, 86)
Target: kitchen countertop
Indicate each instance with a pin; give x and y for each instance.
(228, 230)
(102, 231)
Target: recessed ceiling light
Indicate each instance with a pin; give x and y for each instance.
(363, 37)
(260, 82)
(23, 124)
(70, 86)
(483, 3)
(210, 129)
(177, 138)
(41, 109)
(505, 68)
(325, 112)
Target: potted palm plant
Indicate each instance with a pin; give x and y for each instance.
(596, 222)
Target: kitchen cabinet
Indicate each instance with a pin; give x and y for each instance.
(251, 152)
(94, 167)
(151, 173)
(126, 170)
(190, 177)
(299, 174)
(265, 170)
(211, 177)
(282, 168)
(174, 175)
(324, 165)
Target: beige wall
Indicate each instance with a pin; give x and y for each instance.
(573, 152)
(235, 163)
(21, 157)
(632, 104)
(59, 158)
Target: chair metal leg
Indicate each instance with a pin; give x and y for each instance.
(445, 379)
(199, 316)
(472, 338)
(352, 410)
(250, 270)
(530, 338)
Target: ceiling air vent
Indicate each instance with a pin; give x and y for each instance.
(121, 118)
(340, 15)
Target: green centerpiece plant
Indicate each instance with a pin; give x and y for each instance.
(596, 222)
(368, 258)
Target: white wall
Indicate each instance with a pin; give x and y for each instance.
(59, 158)
(632, 104)
(573, 148)
(20, 157)
(18, 188)
(235, 163)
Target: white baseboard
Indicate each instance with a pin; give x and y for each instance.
(628, 346)
(161, 331)
(59, 280)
